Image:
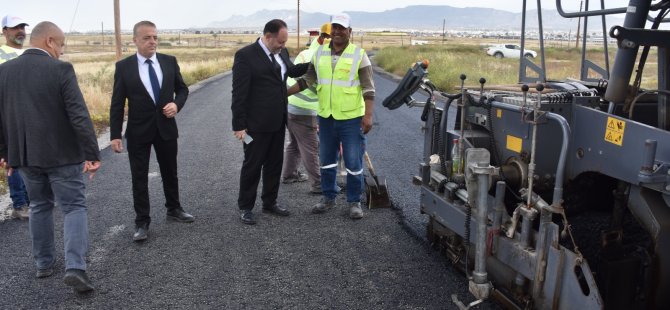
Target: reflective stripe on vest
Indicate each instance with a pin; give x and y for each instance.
(353, 83)
(7, 53)
(306, 99)
(339, 87)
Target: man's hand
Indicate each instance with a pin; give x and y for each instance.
(170, 110)
(240, 134)
(91, 167)
(293, 89)
(366, 123)
(117, 145)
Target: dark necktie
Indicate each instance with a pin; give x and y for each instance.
(275, 64)
(154, 80)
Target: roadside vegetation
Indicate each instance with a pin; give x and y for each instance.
(449, 61)
(96, 75)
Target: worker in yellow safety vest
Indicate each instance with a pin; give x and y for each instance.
(14, 31)
(345, 88)
(302, 126)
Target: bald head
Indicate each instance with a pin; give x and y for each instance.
(47, 36)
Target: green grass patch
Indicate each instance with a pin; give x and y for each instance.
(448, 62)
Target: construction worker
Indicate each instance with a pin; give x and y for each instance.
(302, 125)
(346, 100)
(14, 30)
(324, 36)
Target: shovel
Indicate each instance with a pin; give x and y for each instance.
(375, 187)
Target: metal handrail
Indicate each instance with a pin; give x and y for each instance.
(561, 12)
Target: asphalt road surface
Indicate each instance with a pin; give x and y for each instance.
(304, 261)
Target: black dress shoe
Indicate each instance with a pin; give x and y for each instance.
(178, 215)
(78, 280)
(247, 217)
(141, 233)
(277, 210)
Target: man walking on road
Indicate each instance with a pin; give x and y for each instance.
(302, 125)
(14, 30)
(259, 103)
(156, 92)
(49, 134)
(346, 101)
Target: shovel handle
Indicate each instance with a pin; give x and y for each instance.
(368, 162)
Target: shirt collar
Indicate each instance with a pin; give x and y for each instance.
(7, 46)
(141, 59)
(265, 48)
(37, 48)
(330, 45)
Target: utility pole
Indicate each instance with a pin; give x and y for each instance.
(444, 34)
(298, 24)
(117, 29)
(569, 38)
(579, 23)
(102, 34)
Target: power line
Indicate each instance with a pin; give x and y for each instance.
(75, 15)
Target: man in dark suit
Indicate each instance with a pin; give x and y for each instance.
(155, 90)
(47, 134)
(259, 117)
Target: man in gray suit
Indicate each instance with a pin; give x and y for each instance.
(47, 135)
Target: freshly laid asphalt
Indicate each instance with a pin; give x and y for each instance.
(303, 261)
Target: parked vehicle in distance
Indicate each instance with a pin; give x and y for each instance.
(509, 51)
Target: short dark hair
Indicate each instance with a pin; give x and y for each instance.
(274, 26)
(142, 23)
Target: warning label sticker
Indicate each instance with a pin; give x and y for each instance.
(514, 144)
(614, 131)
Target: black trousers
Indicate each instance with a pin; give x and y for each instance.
(263, 156)
(166, 155)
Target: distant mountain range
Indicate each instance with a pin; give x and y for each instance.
(417, 17)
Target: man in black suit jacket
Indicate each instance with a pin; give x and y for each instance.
(47, 134)
(155, 91)
(259, 117)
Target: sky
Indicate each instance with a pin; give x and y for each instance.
(92, 15)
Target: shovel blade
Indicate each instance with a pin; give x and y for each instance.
(378, 196)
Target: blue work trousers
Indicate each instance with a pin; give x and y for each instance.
(350, 134)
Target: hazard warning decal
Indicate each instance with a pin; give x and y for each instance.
(614, 131)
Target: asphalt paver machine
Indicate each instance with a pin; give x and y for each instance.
(555, 194)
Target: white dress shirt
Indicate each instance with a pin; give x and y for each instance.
(144, 73)
(279, 60)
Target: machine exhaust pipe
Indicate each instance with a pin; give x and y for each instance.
(617, 89)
